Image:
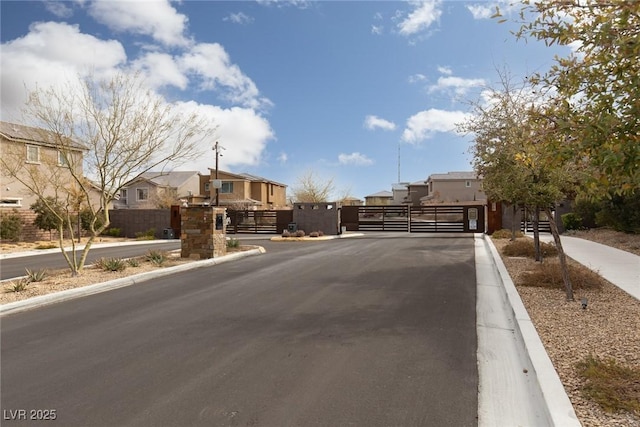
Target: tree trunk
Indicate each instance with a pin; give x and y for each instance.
(536, 234)
(568, 287)
(514, 211)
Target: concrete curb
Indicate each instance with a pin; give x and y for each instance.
(79, 248)
(558, 405)
(69, 294)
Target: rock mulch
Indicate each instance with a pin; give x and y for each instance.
(608, 328)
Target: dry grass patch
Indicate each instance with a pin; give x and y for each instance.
(549, 275)
(613, 386)
(524, 247)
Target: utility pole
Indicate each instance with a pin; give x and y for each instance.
(217, 147)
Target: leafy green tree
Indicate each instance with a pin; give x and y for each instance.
(599, 84)
(49, 214)
(516, 142)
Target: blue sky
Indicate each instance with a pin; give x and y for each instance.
(333, 87)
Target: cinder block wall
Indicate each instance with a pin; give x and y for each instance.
(323, 217)
(132, 221)
(199, 237)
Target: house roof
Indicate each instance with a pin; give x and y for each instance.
(453, 176)
(418, 183)
(249, 177)
(383, 193)
(173, 179)
(28, 134)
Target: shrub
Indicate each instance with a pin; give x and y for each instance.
(36, 275)
(505, 234)
(233, 243)
(113, 232)
(46, 246)
(133, 262)
(156, 257)
(549, 275)
(111, 264)
(10, 227)
(300, 233)
(286, 233)
(19, 286)
(314, 234)
(524, 247)
(572, 221)
(613, 386)
(320, 233)
(150, 234)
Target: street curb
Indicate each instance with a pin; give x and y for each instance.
(80, 247)
(558, 404)
(69, 294)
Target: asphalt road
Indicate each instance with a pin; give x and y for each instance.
(15, 267)
(364, 332)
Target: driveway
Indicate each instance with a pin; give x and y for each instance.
(365, 332)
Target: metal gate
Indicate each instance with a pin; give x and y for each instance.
(415, 219)
(258, 221)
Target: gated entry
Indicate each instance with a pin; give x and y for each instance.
(259, 221)
(416, 219)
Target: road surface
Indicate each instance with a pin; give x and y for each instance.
(364, 332)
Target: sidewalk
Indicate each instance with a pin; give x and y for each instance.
(618, 267)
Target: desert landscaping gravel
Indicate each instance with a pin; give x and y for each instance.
(608, 328)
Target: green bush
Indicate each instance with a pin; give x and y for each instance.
(86, 216)
(113, 232)
(150, 234)
(233, 243)
(133, 262)
(10, 227)
(572, 221)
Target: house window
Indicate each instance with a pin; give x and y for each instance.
(63, 160)
(467, 184)
(33, 154)
(227, 187)
(207, 187)
(271, 188)
(123, 196)
(142, 194)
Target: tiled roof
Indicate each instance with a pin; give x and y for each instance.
(453, 176)
(23, 133)
(383, 193)
(169, 179)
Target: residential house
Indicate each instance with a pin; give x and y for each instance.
(453, 187)
(380, 198)
(416, 191)
(244, 191)
(158, 189)
(28, 151)
(400, 193)
(351, 201)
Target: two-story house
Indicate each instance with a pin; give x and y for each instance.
(453, 187)
(381, 198)
(38, 157)
(243, 191)
(153, 190)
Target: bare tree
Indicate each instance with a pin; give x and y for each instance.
(124, 129)
(310, 188)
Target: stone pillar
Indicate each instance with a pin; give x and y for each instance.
(203, 232)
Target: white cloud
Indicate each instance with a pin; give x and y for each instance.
(301, 4)
(52, 54)
(238, 18)
(58, 8)
(283, 158)
(417, 78)
(157, 19)
(212, 64)
(445, 70)
(458, 84)
(488, 9)
(374, 122)
(377, 29)
(160, 69)
(425, 13)
(355, 158)
(241, 131)
(425, 124)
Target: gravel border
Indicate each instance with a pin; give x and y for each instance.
(608, 328)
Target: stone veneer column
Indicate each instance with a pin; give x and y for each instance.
(200, 238)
